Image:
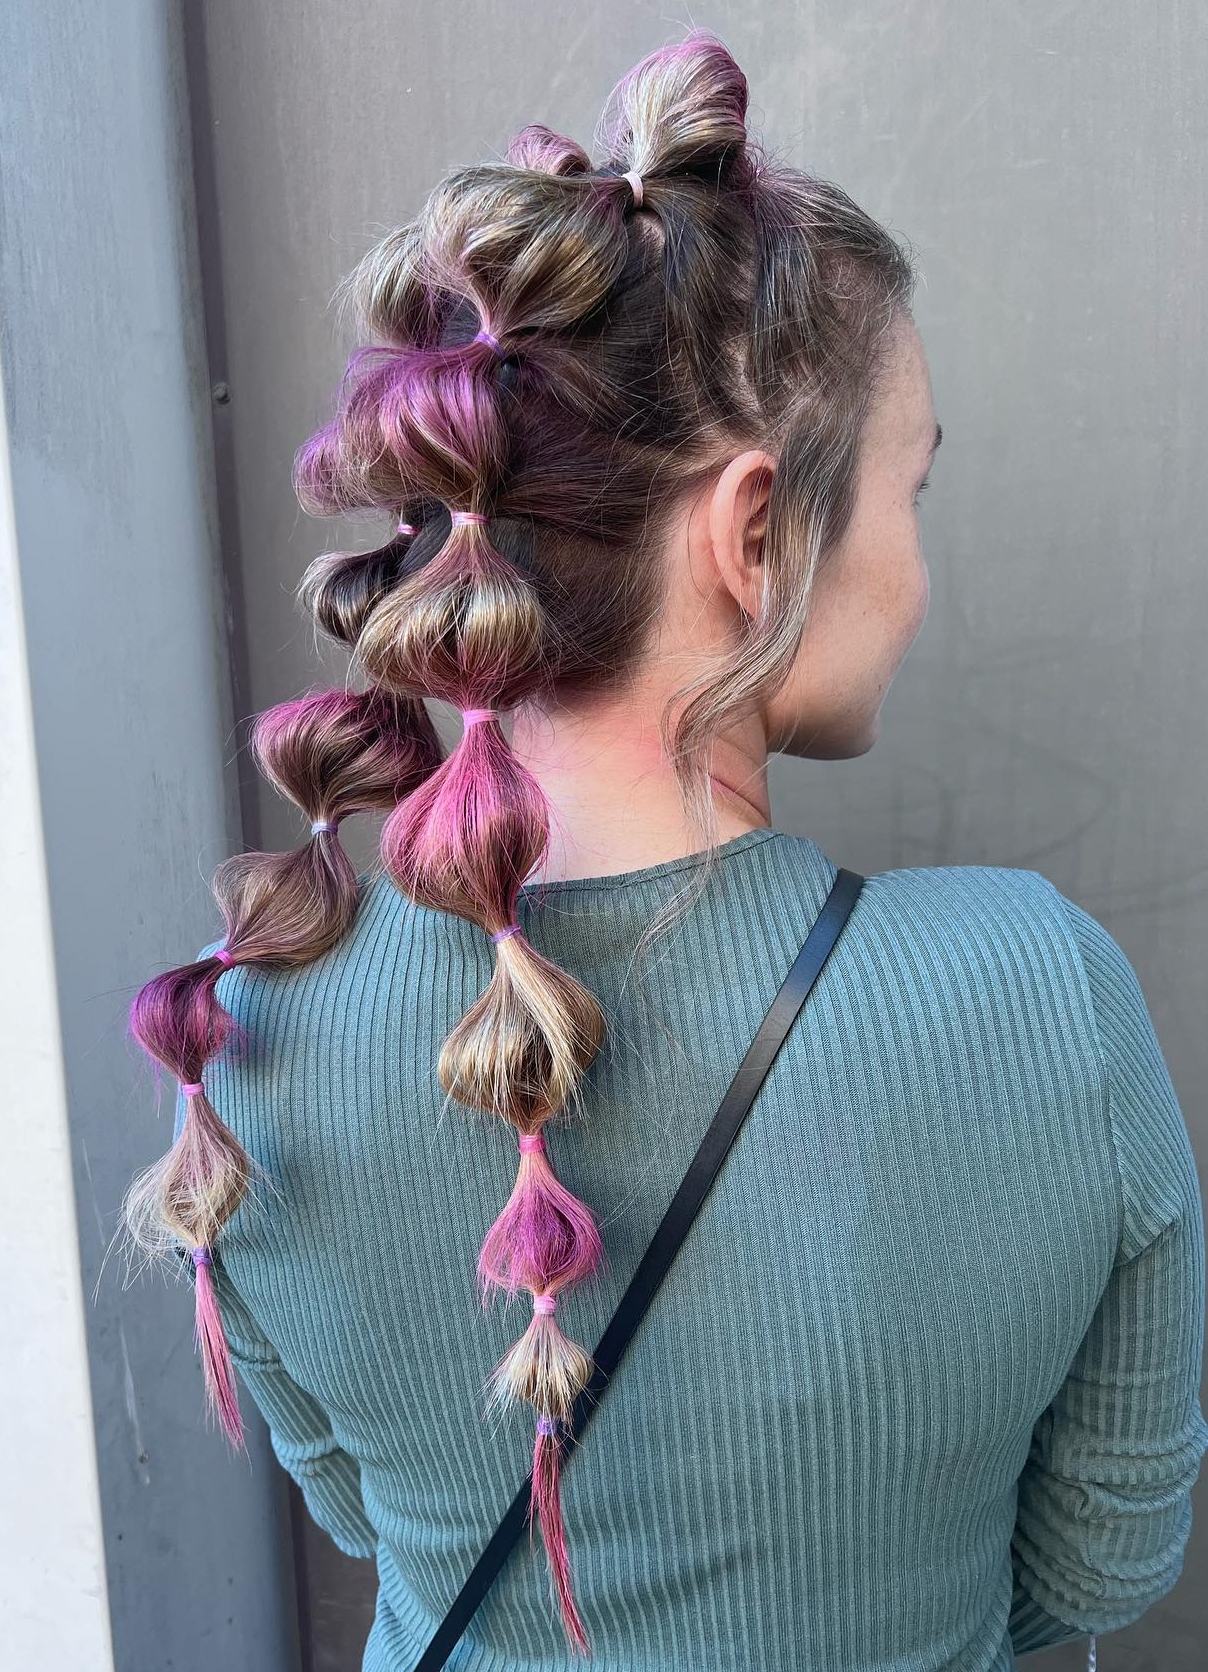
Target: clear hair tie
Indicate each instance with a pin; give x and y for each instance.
(635, 180)
(468, 517)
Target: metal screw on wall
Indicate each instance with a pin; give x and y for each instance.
(221, 393)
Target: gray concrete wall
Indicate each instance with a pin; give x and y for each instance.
(1047, 163)
(129, 1536)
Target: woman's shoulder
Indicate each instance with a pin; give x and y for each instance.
(1006, 907)
(990, 953)
(983, 936)
(969, 907)
(983, 905)
(1010, 936)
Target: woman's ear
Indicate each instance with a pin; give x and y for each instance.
(738, 520)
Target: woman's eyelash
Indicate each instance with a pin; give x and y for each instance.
(925, 483)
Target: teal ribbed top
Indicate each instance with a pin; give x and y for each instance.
(922, 1384)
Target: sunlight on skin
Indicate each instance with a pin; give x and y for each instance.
(613, 797)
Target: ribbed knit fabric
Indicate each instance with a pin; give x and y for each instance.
(922, 1386)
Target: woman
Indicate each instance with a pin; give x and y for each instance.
(921, 1388)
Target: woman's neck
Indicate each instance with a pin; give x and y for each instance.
(614, 801)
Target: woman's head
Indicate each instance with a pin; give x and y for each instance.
(869, 591)
(744, 306)
(553, 381)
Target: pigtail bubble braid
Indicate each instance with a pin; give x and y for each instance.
(332, 753)
(468, 627)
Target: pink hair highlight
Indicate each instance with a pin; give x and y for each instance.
(402, 413)
(465, 840)
(545, 1239)
(177, 1019)
(545, 1505)
(209, 1338)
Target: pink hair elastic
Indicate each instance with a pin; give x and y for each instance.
(469, 517)
(193, 1088)
(531, 1142)
(407, 528)
(635, 180)
(485, 336)
(502, 934)
(544, 1303)
(324, 824)
(223, 956)
(472, 716)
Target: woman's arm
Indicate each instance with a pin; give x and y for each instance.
(299, 1427)
(300, 1430)
(1104, 1508)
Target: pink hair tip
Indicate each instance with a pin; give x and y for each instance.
(210, 1340)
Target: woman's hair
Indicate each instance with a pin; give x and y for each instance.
(554, 359)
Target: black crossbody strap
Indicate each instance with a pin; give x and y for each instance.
(655, 1263)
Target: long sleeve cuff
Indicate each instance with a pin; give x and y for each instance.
(1031, 1626)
